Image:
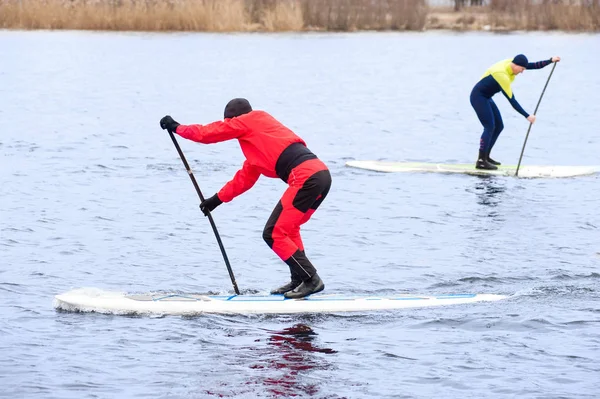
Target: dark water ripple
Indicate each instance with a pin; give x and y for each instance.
(94, 195)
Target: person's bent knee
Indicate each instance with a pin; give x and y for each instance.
(268, 236)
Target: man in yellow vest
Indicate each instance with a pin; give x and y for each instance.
(498, 78)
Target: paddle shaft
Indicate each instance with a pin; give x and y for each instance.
(210, 218)
(531, 124)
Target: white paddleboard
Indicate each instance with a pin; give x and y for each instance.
(503, 170)
(94, 300)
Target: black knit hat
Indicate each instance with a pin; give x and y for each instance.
(237, 107)
(520, 60)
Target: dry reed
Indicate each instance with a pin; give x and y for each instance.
(294, 15)
(213, 15)
(566, 15)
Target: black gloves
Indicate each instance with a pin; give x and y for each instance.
(169, 123)
(209, 204)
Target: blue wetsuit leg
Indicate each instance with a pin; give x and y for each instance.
(483, 108)
(498, 124)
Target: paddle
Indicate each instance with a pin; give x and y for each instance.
(212, 222)
(535, 113)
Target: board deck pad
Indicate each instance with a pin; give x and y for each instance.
(547, 171)
(95, 300)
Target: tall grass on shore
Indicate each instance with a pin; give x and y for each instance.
(567, 15)
(214, 15)
(297, 15)
(349, 15)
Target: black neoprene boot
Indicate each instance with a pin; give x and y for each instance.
(483, 163)
(299, 266)
(287, 287)
(490, 160)
(308, 287)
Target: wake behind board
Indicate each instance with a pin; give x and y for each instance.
(94, 300)
(503, 170)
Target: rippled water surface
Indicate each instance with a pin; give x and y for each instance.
(93, 194)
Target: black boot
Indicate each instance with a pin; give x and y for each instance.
(287, 287)
(310, 286)
(300, 266)
(294, 262)
(490, 160)
(483, 163)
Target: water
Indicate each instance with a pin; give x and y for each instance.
(94, 195)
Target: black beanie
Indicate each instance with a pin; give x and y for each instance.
(237, 107)
(521, 60)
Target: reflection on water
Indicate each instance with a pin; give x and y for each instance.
(290, 355)
(489, 191)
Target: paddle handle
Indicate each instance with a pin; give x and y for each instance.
(210, 218)
(531, 124)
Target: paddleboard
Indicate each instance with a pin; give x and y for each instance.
(94, 300)
(503, 170)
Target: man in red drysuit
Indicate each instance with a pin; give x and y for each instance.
(272, 150)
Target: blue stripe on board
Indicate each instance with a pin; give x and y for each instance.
(451, 296)
(280, 298)
(249, 298)
(160, 298)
